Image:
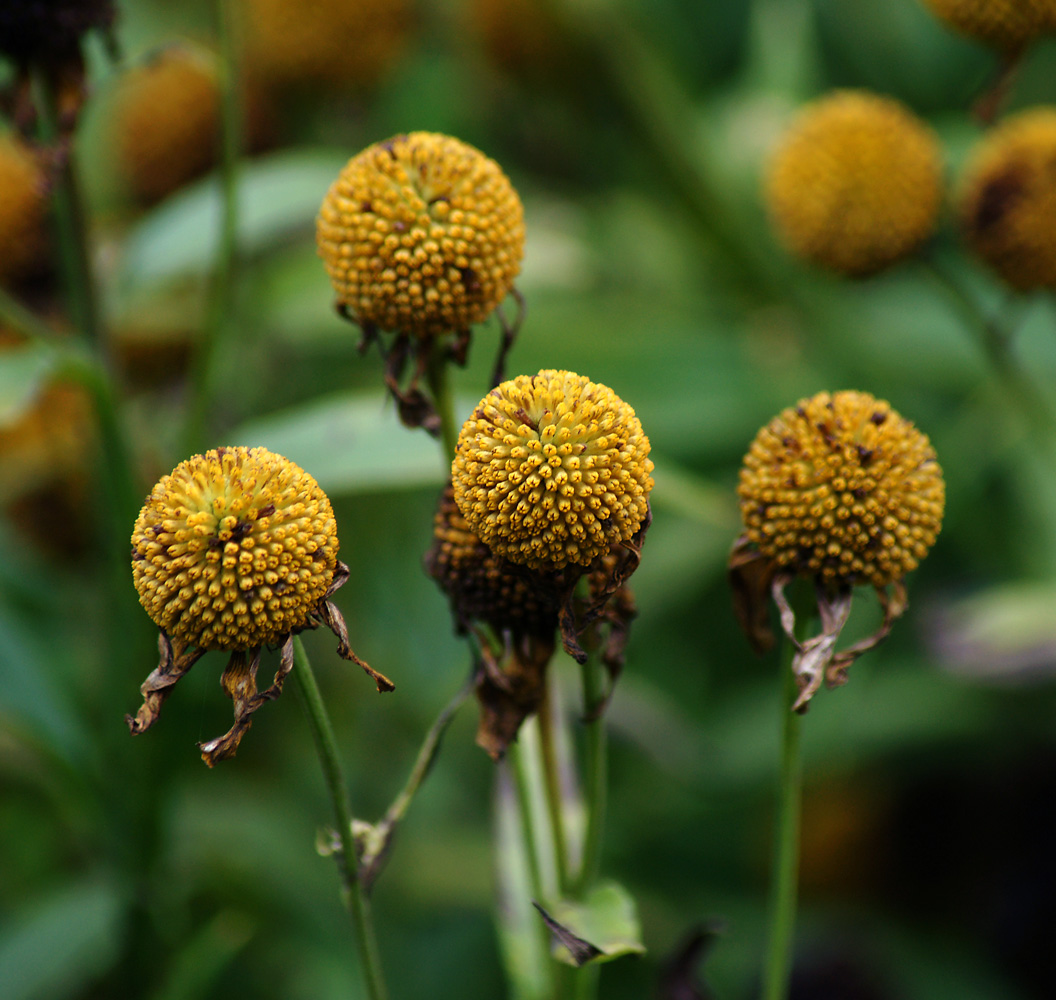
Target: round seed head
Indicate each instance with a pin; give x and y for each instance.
(552, 470)
(234, 549)
(34, 30)
(842, 488)
(330, 42)
(166, 120)
(856, 183)
(422, 234)
(482, 586)
(1007, 201)
(23, 208)
(1001, 24)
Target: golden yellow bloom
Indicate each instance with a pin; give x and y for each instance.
(331, 42)
(166, 120)
(856, 183)
(234, 549)
(23, 207)
(552, 470)
(421, 234)
(1007, 201)
(842, 488)
(1002, 24)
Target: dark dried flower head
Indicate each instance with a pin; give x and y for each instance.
(1008, 25)
(842, 488)
(23, 211)
(235, 549)
(166, 120)
(421, 234)
(1007, 201)
(552, 470)
(856, 183)
(49, 30)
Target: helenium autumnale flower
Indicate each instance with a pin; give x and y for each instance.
(842, 490)
(235, 550)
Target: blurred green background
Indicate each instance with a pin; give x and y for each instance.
(635, 132)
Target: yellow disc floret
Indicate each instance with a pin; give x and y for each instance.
(1002, 24)
(1008, 199)
(856, 183)
(166, 120)
(22, 210)
(552, 470)
(843, 488)
(422, 234)
(234, 549)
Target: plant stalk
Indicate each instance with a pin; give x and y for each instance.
(440, 387)
(352, 889)
(596, 776)
(552, 782)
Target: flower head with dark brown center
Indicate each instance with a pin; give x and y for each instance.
(1007, 201)
(235, 549)
(842, 490)
(856, 183)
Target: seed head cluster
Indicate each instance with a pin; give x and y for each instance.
(1007, 202)
(1002, 24)
(552, 470)
(422, 234)
(856, 183)
(842, 488)
(23, 206)
(166, 120)
(234, 549)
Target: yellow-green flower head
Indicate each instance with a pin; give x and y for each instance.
(166, 120)
(482, 586)
(234, 549)
(856, 183)
(330, 42)
(23, 206)
(1001, 24)
(842, 488)
(1007, 202)
(552, 470)
(422, 234)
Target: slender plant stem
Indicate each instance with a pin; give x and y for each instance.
(523, 783)
(552, 781)
(326, 746)
(784, 886)
(596, 775)
(219, 318)
(440, 387)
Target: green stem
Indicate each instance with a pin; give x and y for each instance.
(552, 782)
(354, 896)
(523, 782)
(70, 224)
(596, 774)
(786, 857)
(219, 318)
(440, 387)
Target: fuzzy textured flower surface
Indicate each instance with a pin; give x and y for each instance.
(552, 470)
(856, 183)
(421, 234)
(1007, 202)
(842, 488)
(23, 205)
(235, 549)
(1002, 24)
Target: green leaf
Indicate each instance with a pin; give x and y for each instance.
(607, 919)
(277, 194)
(55, 946)
(351, 443)
(23, 370)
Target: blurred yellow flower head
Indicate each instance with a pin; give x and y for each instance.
(23, 209)
(1002, 24)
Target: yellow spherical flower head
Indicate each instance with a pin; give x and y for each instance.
(331, 42)
(842, 488)
(1007, 201)
(166, 120)
(1003, 24)
(551, 470)
(23, 208)
(235, 549)
(421, 234)
(856, 183)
